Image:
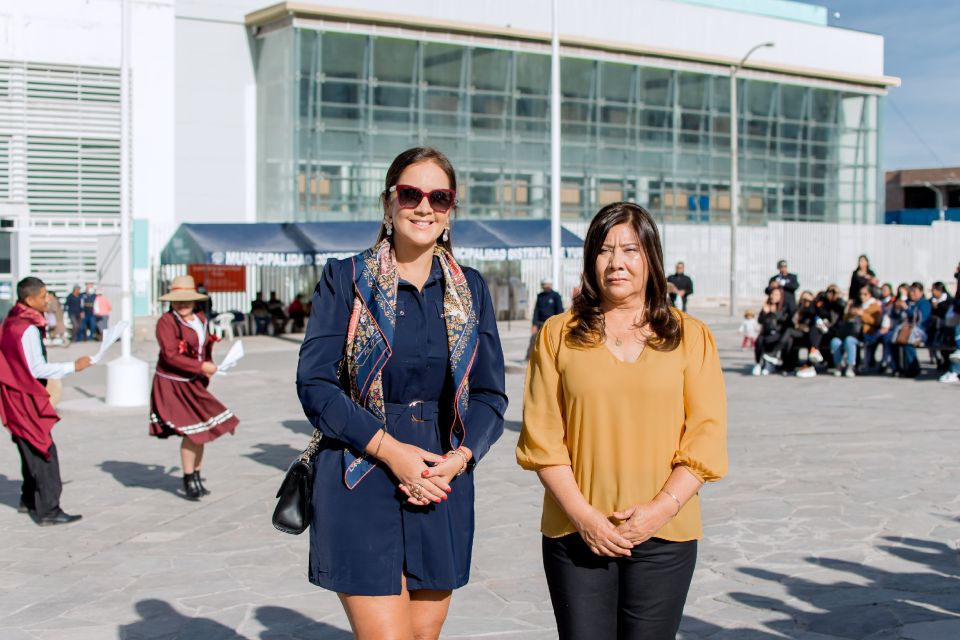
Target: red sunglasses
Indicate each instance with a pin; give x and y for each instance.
(441, 200)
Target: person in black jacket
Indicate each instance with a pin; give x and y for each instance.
(788, 283)
(684, 286)
(549, 303)
(862, 276)
(774, 319)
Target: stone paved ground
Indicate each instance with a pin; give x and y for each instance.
(839, 519)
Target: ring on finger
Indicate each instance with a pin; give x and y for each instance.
(416, 490)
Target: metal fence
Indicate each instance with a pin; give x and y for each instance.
(819, 253)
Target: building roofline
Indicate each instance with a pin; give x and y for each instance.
(294, 9)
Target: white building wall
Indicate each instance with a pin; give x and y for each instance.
(215, 117)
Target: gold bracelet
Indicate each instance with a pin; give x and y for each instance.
(675, 499)
(383, 432)
(463, 457)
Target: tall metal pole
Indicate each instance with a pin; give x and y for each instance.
(940, 208)
(735, 175)
(126, 301)
(734, 189)
(555, 177)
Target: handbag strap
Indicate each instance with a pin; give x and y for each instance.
(312, 447)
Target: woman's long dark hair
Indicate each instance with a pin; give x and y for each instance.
(588, 326)
(397, 167)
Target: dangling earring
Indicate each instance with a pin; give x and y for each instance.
(446, 234)
(389, 226)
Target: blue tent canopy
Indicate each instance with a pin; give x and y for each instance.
(306, 243)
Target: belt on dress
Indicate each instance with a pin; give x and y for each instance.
(419, 410)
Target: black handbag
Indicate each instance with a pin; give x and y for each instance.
(293, 511)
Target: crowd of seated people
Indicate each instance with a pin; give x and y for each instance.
(876, 330)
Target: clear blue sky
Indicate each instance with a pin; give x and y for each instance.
(920, 45)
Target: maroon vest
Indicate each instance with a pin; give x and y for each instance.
(24, 402)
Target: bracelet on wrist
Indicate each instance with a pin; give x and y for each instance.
(463, 458)
(675, 499)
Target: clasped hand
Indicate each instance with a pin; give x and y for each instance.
(422, 472)
(638, 525)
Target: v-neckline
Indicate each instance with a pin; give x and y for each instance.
(631, 362)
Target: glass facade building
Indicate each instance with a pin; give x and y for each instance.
(335, 107)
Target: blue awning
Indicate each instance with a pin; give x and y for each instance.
(306, 243)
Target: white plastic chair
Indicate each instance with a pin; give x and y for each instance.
(223, 326)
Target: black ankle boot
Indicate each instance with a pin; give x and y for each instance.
(190, 487)
(199, 482)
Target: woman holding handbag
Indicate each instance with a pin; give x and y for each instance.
(180, 403)
(402, 371)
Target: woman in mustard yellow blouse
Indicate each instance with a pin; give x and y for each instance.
(624, 418)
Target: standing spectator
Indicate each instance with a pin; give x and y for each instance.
(548, 304)
(75, 311)
(788, 283)
(101, 311)
(862, 276)
(88, 324)
(56, 329)
(683, 285)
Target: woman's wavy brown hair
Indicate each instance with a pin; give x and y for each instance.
(588, 321)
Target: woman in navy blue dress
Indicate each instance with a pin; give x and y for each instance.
(402, 371)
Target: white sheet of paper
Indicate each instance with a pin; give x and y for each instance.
(109, 337)
(232, 358)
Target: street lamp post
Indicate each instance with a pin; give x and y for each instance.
(555, 179)
(734, 174)
(940, 207)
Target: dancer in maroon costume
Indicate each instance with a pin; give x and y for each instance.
(180, 403)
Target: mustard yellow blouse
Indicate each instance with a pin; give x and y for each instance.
(622, 426)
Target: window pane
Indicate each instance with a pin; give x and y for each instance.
(394, 60)
(655, 85)
(490, 69)
(693, 90)
(343, 55)
(576, 78)
(533, 73)
(442, 64)
(617, 80)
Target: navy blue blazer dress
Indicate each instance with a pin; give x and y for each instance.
(361, 540)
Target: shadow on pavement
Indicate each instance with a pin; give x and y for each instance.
(160, 620)
(285, 624)
(877, 603)
(278, 456)
(9, 491)
(512, 425)
(144, 476)
(299, 426)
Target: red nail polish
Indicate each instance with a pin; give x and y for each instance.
(425, 472)
(449, 490)
(444, 457)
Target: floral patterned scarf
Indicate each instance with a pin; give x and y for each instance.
(370, 336)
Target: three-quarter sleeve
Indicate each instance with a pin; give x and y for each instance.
(488, 396)
(543, 436)
(325, 403)
(703, 442)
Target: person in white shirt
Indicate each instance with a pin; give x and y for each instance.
(25, 406)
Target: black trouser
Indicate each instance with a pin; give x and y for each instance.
(41, 487)
(75, 328)
(764, 344)
(602, 598)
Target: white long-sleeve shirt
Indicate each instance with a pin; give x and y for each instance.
(39, 367)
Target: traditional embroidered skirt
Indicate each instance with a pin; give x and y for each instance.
(184, 407)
